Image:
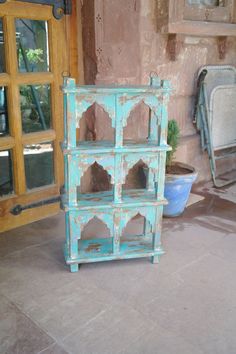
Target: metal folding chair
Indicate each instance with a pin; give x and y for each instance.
(215, 117)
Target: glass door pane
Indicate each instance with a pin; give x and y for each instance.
(39, 165)
(32, 45)
(6, 173)
(4, 125)
(35, 103)
(2, 53)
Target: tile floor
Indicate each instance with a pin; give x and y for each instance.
(186, 304)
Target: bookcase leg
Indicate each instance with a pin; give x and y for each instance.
(71, 236)
(155, 259)
(74, 267)
(156, 241)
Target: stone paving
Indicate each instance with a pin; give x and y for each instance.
(185, 304)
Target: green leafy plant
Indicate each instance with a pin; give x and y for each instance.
(173, 136)
(34, 56)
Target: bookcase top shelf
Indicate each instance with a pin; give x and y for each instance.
(156, 84)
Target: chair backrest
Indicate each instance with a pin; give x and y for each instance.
(218, 75)
(223, 116)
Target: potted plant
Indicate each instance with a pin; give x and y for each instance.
(179, 176)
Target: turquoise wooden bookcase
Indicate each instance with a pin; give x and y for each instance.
(115, 208)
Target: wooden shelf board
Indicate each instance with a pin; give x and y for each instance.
(100, 249)
(202, 28)
(104, 200)
(101, 147)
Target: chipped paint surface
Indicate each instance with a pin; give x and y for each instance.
(117, 207)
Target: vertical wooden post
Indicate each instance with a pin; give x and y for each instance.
(116, 232)
(70, 128)
(119, 123)
(71, 239)
(157, 234)
(153, 132)
(118, 178)
(71, 113)
(153, 127)
(163, 140)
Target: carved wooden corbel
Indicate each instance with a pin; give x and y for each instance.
(222, 46)
(173, 46)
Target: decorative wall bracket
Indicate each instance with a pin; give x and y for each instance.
(222, 46)
(173, 46)
(60, 7)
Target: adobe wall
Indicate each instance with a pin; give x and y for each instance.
(128, 47)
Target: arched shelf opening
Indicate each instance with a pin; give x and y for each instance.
(138, 124)
(95, 125)
(136, 226)
(95, 179)
(94, 229)
(136, 176)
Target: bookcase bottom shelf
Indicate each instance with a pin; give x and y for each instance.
(101, 249)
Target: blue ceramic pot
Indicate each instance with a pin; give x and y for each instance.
(177, 190)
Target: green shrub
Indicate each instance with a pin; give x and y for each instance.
(173, 136)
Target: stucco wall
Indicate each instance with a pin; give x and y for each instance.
(129, 47)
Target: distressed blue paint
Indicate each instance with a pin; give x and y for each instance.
(117, 207)
(107, 102)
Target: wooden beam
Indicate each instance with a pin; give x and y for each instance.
(39, 137)
(14, 112)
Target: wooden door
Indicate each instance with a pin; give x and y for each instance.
(32, 60)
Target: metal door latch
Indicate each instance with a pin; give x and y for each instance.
(16, 210)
